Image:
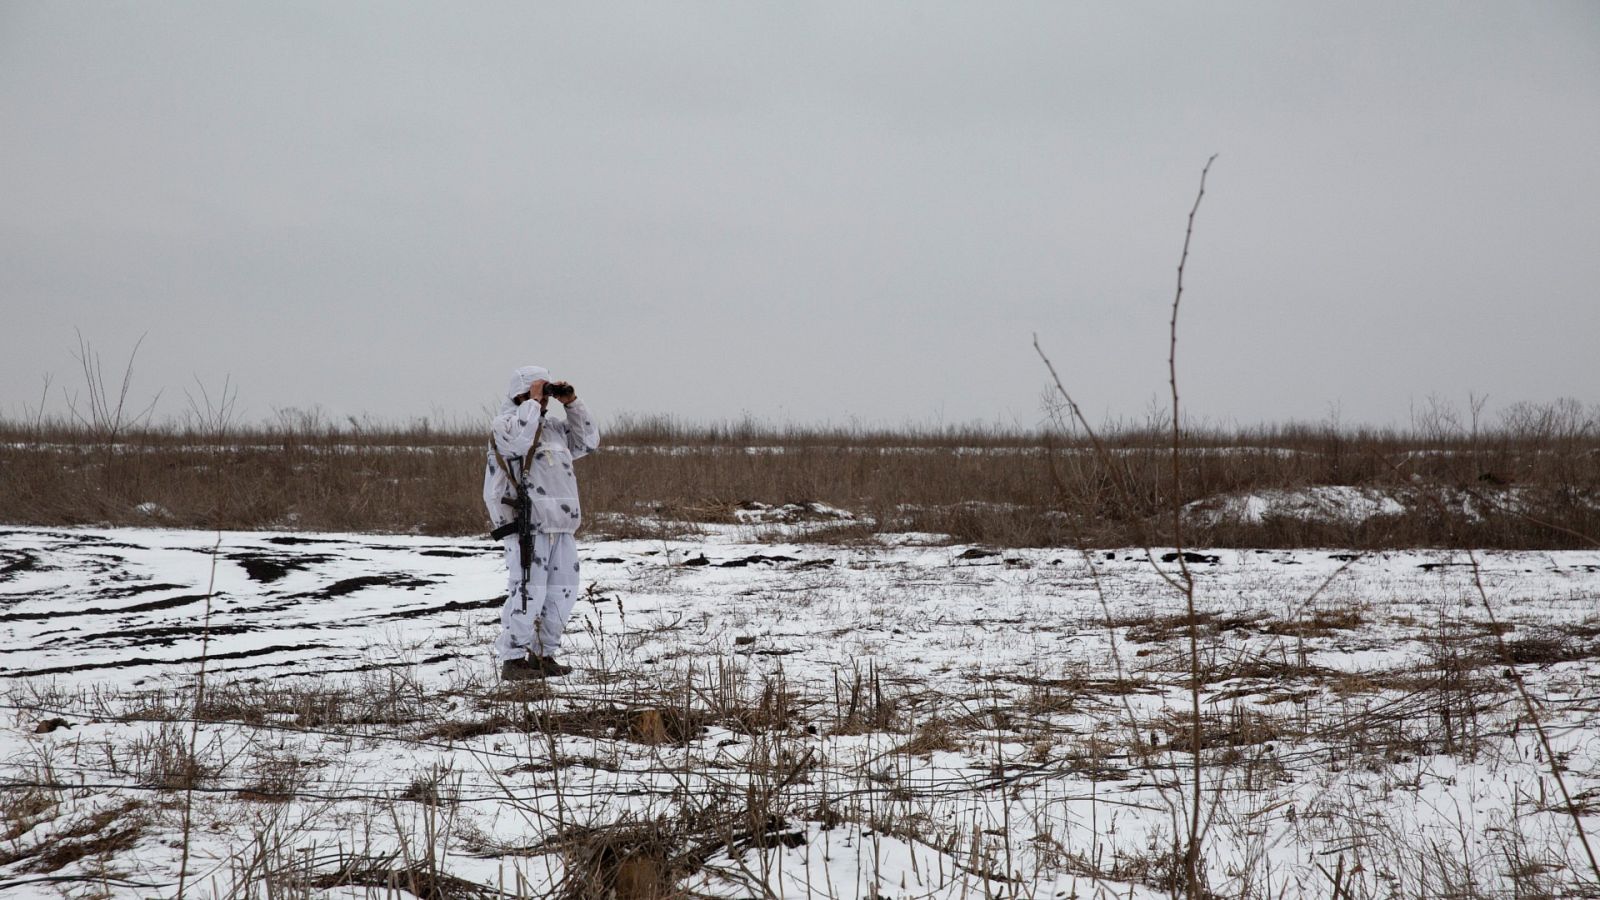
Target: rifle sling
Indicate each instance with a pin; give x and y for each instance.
(516, 478)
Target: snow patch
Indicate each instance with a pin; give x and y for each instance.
(753, 512)
(152, 510)
(1340, 504)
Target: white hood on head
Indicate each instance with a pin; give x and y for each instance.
(520, 380)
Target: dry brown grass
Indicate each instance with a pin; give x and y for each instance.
(101, 834)
(933, 736)
(393, 877)
(1532, 483)
(23, 810)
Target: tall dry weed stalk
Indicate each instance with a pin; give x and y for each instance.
(1191, 855)
(1183, 582)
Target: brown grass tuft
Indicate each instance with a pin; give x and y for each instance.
(934, 736)
(99, 835)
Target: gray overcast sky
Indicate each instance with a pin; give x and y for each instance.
(805, 212)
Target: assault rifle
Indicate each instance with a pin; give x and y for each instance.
(521, 505)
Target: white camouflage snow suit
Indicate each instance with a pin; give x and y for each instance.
(535, 614)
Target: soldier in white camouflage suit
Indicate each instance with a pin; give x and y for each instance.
(536, 608)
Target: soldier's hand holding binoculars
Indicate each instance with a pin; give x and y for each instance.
(544, 390)
(562, 391)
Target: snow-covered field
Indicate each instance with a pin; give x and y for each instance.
(768, 719)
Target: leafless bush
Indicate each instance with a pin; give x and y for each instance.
(209, 417)
(105, 413)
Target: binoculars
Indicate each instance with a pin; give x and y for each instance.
(558, 391)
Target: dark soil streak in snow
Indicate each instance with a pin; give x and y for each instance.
(165, 637)
(18, 561)
(168, 603)
(152, 661)
(118, 593)
(351, 585)
(265, 569)
(452, 606)
(288, 541)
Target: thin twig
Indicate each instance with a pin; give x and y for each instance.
(1191, 855)
(194, 729)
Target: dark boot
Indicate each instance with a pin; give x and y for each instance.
(551, 668)
(524, 669)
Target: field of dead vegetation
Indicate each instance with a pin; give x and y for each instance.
(254, 663)
(1529, 480)
(761, 712)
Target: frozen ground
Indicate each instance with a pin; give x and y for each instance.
(760, 719)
